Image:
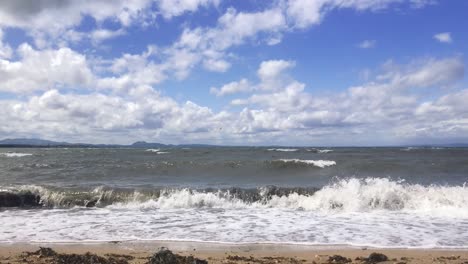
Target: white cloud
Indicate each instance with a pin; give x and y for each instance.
(389, 104)
(272, 69)
(392, 104)
(171, 8)
(120, 100)
(232, 88)
(51, 19)
(43, 70)
(367, 44)
(267, 26)
(208, 45)
(444, 37)
(100, 35)
(305, 13)
(216, 65)
(424, 73)
(272, 75)
(48, 21)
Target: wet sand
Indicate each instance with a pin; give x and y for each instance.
(139, 252)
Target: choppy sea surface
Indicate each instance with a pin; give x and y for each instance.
(381, 197)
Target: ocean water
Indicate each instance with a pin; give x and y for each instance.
(380, 197)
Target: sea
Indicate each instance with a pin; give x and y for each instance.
(398, 197)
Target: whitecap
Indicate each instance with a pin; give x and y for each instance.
(317, 163)
(15, 154)
(283, 149)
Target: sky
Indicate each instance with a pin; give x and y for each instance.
(284, 72)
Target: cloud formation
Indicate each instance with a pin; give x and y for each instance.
(54, 91)
(444, 37)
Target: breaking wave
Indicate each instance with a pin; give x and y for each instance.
(15, 154)
(347, 195)
(316, 163)
(157, 151)
(153, 150)
(283, 149)
(320, 150)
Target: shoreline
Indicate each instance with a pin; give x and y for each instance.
(217, 244)
(234, 253)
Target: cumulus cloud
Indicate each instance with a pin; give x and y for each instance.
(133, 70)
(271, 73)
(389, 104)
(100, 35)
(272, 69)
(171, 8)
(393, 103)
(232, 88)
(208, 45)
(444, 37)
(43, 70)
(44, 19)
(67, 95)
(305, 13)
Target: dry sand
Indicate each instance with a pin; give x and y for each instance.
(229, 253)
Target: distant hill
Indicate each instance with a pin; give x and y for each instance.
(144, 144)
(31, 142)
(35, 142)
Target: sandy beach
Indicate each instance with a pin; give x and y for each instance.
(140, 252)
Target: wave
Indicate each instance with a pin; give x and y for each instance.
(320, 150)
(157, 151)
(346, 195)
(15, 154)
(283, 149)
(316, 163)
(153, 150)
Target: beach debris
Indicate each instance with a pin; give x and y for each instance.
(119, 256)
(165, 256)
(51, 256)
(86, 258)
(374, 258)
(42, 252)
(263, 260)
(448, 258)
(338, 259)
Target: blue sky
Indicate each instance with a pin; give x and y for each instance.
(287, 72)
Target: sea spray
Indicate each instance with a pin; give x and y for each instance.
(346, 195)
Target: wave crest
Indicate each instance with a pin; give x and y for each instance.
(316, 163)
(15, 154)
(347, 195)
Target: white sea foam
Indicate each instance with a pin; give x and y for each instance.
(347, 195)
(283, 149)
(352, 195)
(153, 150)
(324, 150)
(371, 212)
(15, 154)
(317, 163)
(157, 151)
